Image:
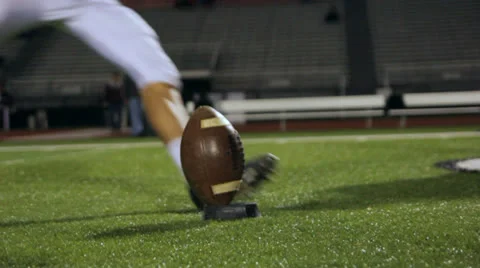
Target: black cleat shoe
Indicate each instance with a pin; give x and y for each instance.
(257, 171)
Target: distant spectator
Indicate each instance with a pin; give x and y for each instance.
(114, 96)
(134, 107)
(3, 72)
(181, 4)
(6, 99)
(6, 104)
(203, 100)
(332, 16)
(207, 3)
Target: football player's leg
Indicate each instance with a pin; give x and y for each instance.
(123, 37)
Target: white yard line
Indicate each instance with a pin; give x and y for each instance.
(67, 147)
(267, 140)
(12, 161)
(372, 137)
(51, 157)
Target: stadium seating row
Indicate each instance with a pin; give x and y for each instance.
(144, 4)
(269, 47)
(425, 41)
(267, 42)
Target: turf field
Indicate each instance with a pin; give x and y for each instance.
(337, 201)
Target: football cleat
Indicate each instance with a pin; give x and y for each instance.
(256, 172)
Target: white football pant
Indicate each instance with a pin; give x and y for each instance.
(113, 30)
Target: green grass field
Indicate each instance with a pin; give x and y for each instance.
(334, 203)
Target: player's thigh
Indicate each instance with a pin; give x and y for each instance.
(124, 38)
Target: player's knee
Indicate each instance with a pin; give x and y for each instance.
(164, 72)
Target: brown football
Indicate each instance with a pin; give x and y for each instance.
(212, 156)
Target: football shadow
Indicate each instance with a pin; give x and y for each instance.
(453, 186)
(150, 229)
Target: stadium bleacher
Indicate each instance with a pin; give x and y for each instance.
(265, 46)
(268, 41)
(274, 46)
(425, 41)
(9, 49)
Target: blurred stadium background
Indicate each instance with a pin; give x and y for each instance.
(273, 65)
(354, 198)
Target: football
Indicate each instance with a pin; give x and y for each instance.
(212, 156)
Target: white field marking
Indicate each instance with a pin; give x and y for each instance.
(74, 134)
(50, 157)
(470, 164)
(364, 138)
(68, 147)
(267, 140)
(12, 161)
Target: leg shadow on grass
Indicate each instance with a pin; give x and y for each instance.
(182, 211)
(76, 219)
(454, 186)
(150, 228)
